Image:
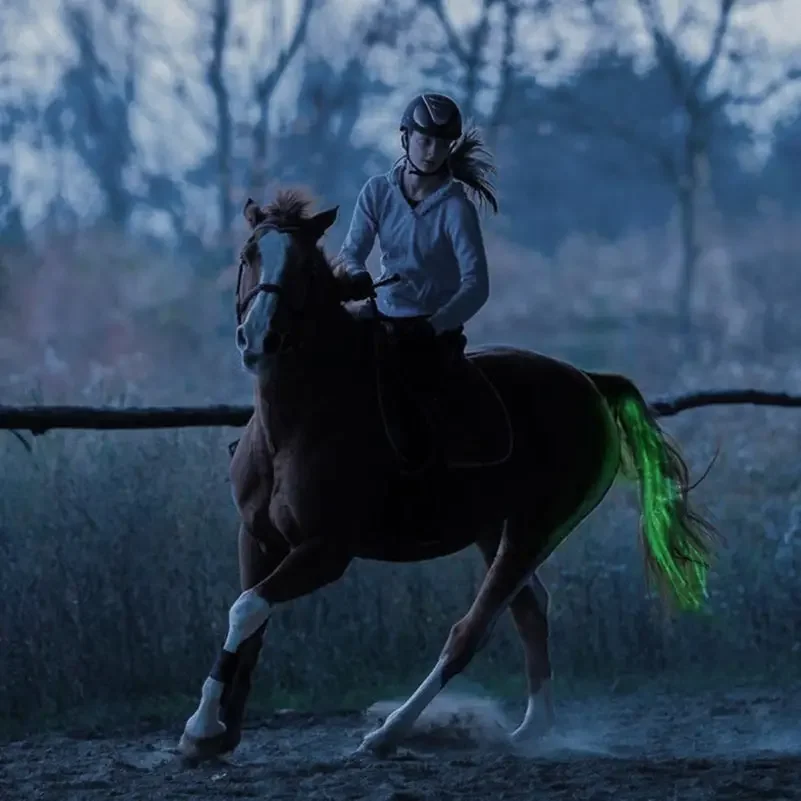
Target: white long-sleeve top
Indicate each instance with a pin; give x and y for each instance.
(436, 247)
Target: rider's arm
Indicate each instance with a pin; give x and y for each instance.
(362, 232)
(464, 229)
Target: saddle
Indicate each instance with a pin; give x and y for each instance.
(458, 421)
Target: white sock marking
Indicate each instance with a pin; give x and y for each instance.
(539, 713)
(403, 718)
(406, 714)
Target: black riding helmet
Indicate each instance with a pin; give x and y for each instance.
(431, 114)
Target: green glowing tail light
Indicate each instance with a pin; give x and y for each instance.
(675, 538)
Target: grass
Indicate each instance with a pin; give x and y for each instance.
(118, 564)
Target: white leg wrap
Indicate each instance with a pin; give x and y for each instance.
(205, 722)
(245, 616)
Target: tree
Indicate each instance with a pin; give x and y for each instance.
(15, 113)
(221, 103)
(470, 52)
(267, 81)
(335, 87)
(215, 75)
(91, 111)
(704, 89)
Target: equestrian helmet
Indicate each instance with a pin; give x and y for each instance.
(433, 115)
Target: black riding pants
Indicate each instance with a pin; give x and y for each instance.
(424, 361)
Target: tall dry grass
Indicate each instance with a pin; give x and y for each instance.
(117, 566)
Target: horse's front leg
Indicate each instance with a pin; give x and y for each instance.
(217, 728)
(306, 568)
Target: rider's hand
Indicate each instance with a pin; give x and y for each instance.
(357, 286)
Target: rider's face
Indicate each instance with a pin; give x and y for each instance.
(428, 152)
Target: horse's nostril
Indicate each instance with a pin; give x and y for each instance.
(272, 341)
(241, 338)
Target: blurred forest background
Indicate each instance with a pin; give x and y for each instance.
(649, 158)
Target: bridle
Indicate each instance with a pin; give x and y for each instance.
(242, 305)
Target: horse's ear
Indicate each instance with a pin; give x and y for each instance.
(318, 224)
(253, 214)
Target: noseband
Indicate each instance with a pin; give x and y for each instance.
(242, 306)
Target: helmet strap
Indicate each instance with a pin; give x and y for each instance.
(413, 168)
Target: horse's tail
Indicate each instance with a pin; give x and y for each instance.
(676, 538)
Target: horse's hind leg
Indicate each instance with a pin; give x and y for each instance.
(529, 610)
(216, 730)
(510, 570)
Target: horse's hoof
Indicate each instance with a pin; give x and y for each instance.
(524, 735)
(377, 743)
(196, 749)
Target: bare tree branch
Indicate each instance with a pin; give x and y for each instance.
(505, 87)
(686, 20)
(179, 90)
(265, 88)
(452, 37)
(771, 89)
(221, 26)
(269, 81)
(470, 55)
(716, 46)
(664, 47)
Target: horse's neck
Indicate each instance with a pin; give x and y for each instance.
(332, 386)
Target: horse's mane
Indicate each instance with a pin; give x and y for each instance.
(289, 208)
(472, 164)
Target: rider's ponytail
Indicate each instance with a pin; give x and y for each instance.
(471, 163)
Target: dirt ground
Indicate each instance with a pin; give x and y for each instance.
(737, 744)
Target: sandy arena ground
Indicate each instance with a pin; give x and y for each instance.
(738, 744)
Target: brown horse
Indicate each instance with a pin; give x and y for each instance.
(530, 452)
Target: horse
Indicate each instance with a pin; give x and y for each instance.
(531, 447)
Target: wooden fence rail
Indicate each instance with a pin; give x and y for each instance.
(41, 419)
